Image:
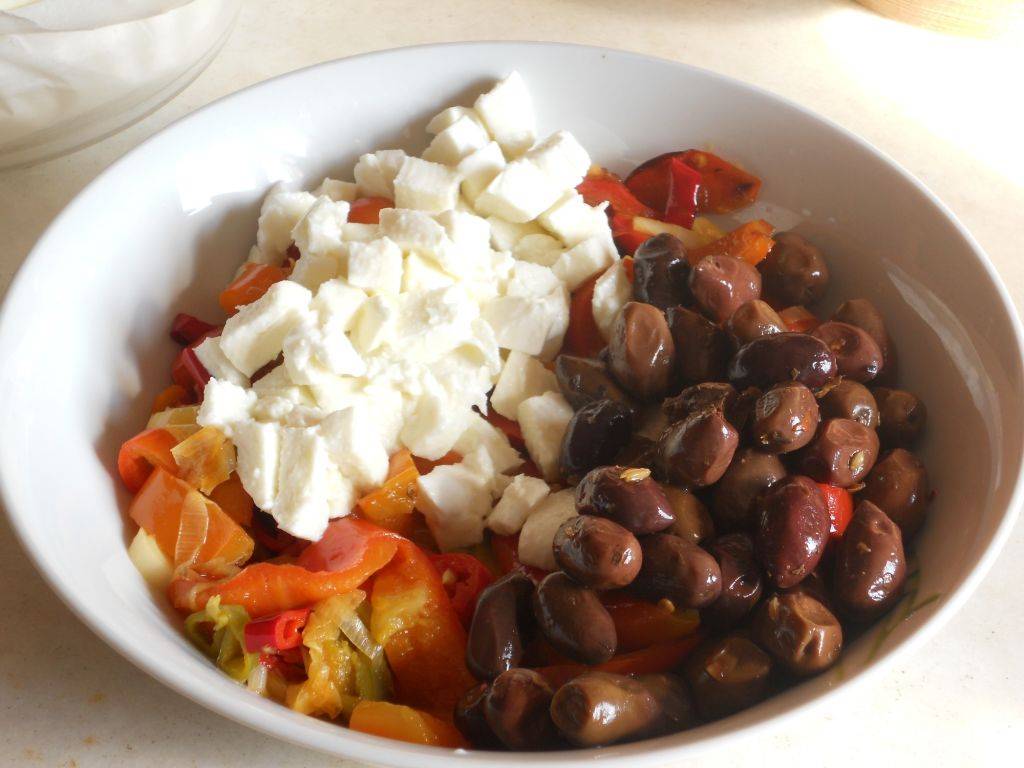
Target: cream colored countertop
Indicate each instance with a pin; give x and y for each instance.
(937, 104)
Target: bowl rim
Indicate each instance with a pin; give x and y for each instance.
(372, 749)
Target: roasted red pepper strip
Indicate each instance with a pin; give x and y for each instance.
(724, 187)
(840, 509)
(603, 186)
(657, 658)
(278, 633)
(251, 284)
(583, 337)
(366, 210)
(189, 373)
(187, 329)
(138, 457)
(669, 186)
(506, 553)
(464, 578)
(639, 624)
(798, 319)
(750, 242)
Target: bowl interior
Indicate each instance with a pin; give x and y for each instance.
(85, 347)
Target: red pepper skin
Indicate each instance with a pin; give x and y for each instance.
(684, 187)
(366, 210)
(187, 329)
(467, 580)
(603, 186)
(279, 633)
(506, 552)
(840, 509)
(189, 372)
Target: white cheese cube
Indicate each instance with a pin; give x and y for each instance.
(518, 323)
(538, 533)
(425, 186)
(506, 234)
(412, 230)
(312, 270)
(454, 501)
(334, 393)
(375, 323)
(467, 231)
(433, 323)
(280, 212)
(360, 233)
(375, 173)
(225, 404)
(302, 479)
(573, 221)
(340, 494)
(257, 447)
(507, 111)
(337, 190)
(388, 407)
(217, 364)
(254, 336)
(479, 169)
(611, 291)
(461, 138)
(583, 261)
(310, 355)
(376, 267)
(449, 117)
(480, 433)
(482, 348)
(522, 377)
(543, 420)
(436, 422)
(277, 383)
(319, 231)
(556, 304)
(519, 193)
(538, 249)
(355, 446)
(532, 280)
(337, 303)
(422, 273)
(520, 498)
(562, 158)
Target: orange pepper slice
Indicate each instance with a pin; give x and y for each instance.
(750, 242)
(138, 457)
(395, 721)
(254, 281)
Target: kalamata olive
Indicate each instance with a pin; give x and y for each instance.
(678, 570)
(858, 357)
(850, 400)
(677, 710)
(785, 418)
(742, 582)
(573, 619)
(732, 499)
(471, 717)
(693, 523)
(794, 272)
(721, 395)
(799, 632)
(863, 314)
(702, 348)
(696, 451)
(641, 353)
(640, 451)
(870, 568)
(722, 284)
(898, 485)
(814, 586)
(727, 674)
(501, 626)
(793, 531)
(901, 417)
(661, 272)
(627, 496)
(596, 552)
(842, 453)
(599, 708)
(753, 320)
(595, 435)
(518, 710)
(783, 357)
(585, 379)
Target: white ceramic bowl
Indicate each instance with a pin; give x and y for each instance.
(84, 343)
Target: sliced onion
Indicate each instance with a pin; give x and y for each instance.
(192, 529)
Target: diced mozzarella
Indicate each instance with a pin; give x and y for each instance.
(583, 261)
(461, 138)
(375, 173)
(519, 193)
(482, 348)
(538, 533)
(340, 493)
(279, 214)
(562, 158)
(375, 323)
(480, 433)
(466, 230)
(337, 190)
(505, 234)
(435, 423)
(217, 364)
(531, 280)
(257, 447)
(520, 498)
(573, 221)
(519, 323)
(334, 393)
(433, 323)
(611, 291)
(507, 111)
(422, 273)
(479, 168)
(387, 405)
(224, 405)
(310, 354)
(556, 304)
(301, 507)
(312, 270)
(337, 303)
(425, 186)
(376, 267)
(360, 233)
(412, 230)
(454, 501)
(543, 420)
(449, 116)
(522, 377)
(538, 249)
(319, 231)
(277, 383)
(355, 446)
(254, 336)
